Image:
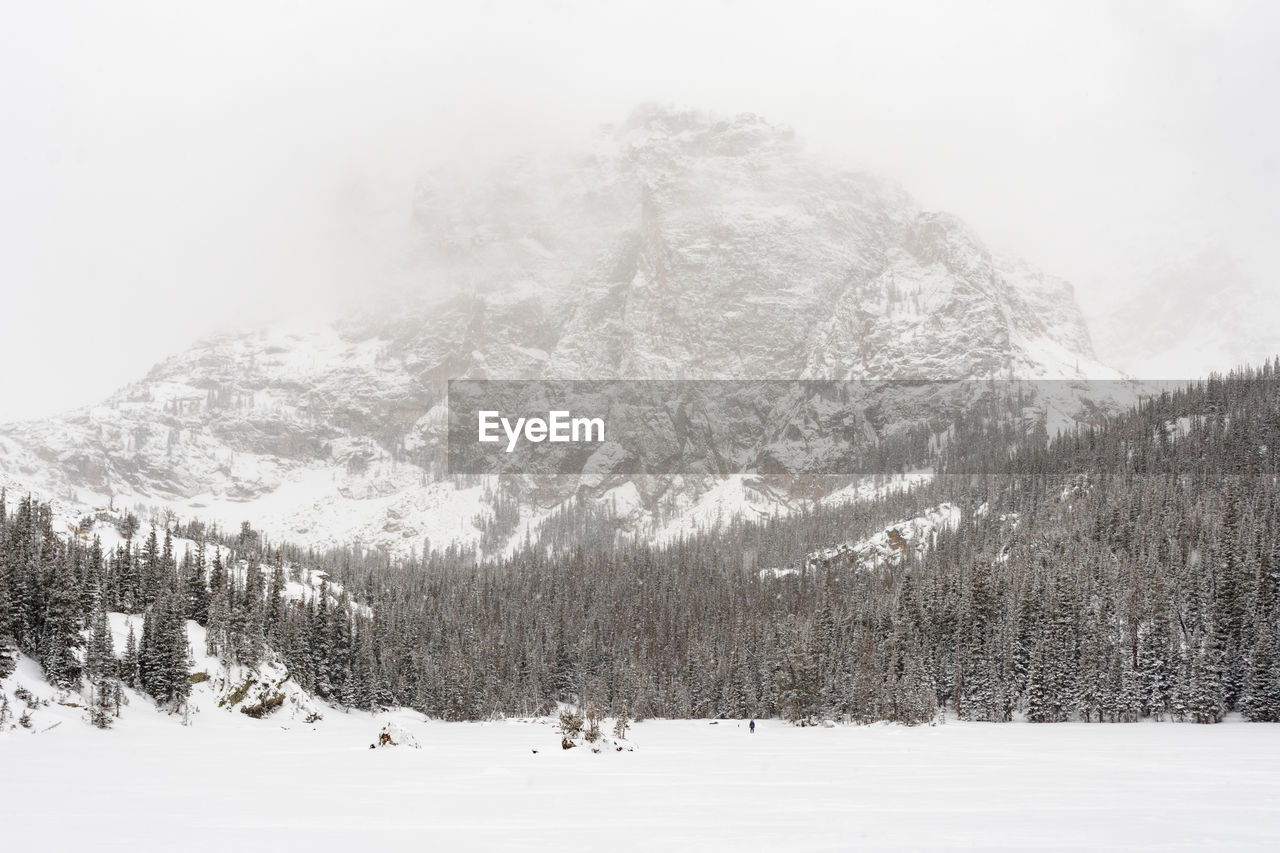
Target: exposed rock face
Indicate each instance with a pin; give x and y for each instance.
(680, 245)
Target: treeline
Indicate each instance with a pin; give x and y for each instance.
(1119, 572)
(1114, 573)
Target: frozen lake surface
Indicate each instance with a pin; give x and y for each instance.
(230, 783)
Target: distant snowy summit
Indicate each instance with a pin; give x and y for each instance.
(689, 246)
(1190, 316)
(674, 245)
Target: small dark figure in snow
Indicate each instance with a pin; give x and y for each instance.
(752, 726)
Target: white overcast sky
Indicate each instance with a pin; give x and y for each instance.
(168, 169)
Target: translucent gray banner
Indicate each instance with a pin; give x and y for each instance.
(773, 427)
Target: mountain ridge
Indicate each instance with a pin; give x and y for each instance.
(679, 245)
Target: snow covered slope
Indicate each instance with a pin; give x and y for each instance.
(219, 694)
(675, 245)
(887, 548)
(895, 544)
(1200, 314)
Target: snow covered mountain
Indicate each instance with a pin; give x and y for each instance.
(677, 245)
(1198, 315)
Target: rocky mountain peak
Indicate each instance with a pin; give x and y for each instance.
(677, 244)
(657, 130)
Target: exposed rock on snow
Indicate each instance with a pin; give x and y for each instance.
(890, 547)
(393, 734)
(216, 691)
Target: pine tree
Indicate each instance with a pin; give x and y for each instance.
(621, 723)
(1156, 655)
(798, 690)
(1039, 688)
(1261, 701)
(8, 642)
(570, 724)
(151, 570)
(979, 653)
(1025, 639)
(1095, 696)
(168, 566)
(130, 665)
(60, 636)
(917, 698)
(1065, 644)
(176, 659)
(1204, 699)
(164, 659)
(197, 587)
(249, 642)
(129, 580)
(1229, 607)
(217, 641)
(103, 706)
(274, 618)
(94, 586)
(149, 667)
(247, 542)
(100, 659)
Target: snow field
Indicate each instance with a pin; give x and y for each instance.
(227, 782)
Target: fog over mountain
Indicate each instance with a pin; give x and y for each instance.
(1186, 315)
(171, 173)
(673, 244)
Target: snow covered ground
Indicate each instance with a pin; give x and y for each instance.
(230, 783)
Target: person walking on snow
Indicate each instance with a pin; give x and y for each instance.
(753, 727)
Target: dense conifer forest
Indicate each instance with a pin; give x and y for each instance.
(1111, 574)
